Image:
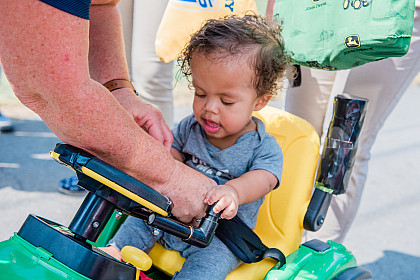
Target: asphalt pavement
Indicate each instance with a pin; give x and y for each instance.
(383, 237)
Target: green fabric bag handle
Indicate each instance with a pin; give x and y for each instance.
(343, 34)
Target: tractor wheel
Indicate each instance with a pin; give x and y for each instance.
(354, 273)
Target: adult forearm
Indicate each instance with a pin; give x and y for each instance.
(44, 52)
(107, 62)
(46, 63)
(106, 45)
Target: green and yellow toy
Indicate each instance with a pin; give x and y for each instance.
(45, 250)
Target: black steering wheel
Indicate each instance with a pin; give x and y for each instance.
(110, 189)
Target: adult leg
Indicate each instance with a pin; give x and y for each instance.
(383, 83)
(310, 100)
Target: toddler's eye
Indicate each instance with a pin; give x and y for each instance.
(227, 103)
(199, 95)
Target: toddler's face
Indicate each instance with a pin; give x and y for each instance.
(224, 97)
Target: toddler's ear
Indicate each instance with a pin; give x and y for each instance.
(262, 101)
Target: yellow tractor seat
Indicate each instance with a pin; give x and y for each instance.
(280, 221)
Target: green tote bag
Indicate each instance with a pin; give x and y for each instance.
(343, 34)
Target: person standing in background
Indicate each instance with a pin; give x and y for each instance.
(383, 83)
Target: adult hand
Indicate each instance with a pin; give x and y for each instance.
(112, 251)
(146, 116)
(187, 189)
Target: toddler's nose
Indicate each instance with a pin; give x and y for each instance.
(211, 107)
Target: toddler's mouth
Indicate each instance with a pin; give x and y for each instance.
(211, 126)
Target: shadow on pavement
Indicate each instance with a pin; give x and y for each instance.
(399, 266)
(25, 163)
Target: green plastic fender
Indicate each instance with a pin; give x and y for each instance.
(306, 263)
(20, 260)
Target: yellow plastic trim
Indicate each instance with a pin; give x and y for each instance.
(55, 156)
(117, 188)
(123, 191)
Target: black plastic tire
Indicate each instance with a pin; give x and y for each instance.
(354, 273)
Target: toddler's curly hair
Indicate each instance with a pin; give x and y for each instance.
(250, 35)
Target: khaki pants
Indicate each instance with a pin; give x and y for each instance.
(151, 77)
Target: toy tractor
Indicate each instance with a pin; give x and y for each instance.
(45, 250)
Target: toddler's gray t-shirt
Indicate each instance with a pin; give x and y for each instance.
(253, 150)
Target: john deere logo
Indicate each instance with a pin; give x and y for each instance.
(352, 41)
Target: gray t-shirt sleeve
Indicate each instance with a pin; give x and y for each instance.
(180, 134)
(268, 156)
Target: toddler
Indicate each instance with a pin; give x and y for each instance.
(234, 65)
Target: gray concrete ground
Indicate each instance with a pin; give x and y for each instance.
(383, 237)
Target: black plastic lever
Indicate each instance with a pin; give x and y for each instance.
(317, 210)
(198, 236)
(337, 158)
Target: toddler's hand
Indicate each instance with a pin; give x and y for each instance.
(227, 200)
(112, 251)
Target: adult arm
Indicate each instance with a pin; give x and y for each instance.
(107, 62)
(270, 9)
(44, 54)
